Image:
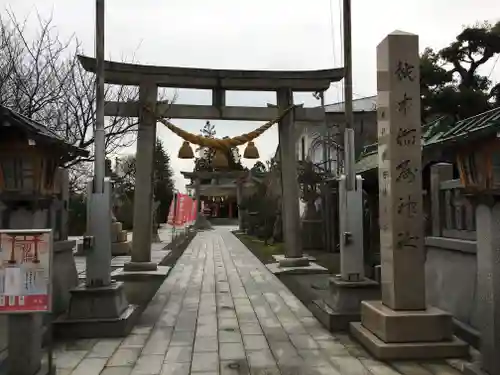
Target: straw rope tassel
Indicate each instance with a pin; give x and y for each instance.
(221, 144)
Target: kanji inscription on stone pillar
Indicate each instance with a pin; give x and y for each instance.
(400, 173)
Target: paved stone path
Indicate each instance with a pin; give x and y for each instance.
(222, 312)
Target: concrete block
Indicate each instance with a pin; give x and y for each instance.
(97, 302)
(454, 348)
(120, 326)
(140, 286)
(347, 295)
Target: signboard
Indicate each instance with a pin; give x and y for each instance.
(25, 270)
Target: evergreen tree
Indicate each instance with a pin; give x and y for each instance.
(203, 162)
(163, 183)
(451, 84)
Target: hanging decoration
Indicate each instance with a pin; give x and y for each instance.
(221, 146)
(185, 152)
(251, 151)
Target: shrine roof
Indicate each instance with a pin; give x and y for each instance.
(442, 132)
(224, 79)
(9, 117)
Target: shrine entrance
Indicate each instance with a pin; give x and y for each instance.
(150, 111)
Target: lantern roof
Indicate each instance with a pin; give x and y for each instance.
(442, 132)
(38, 132)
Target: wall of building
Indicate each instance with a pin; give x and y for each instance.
(365, 133)
(451, 274)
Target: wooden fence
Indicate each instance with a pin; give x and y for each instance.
(452, 213)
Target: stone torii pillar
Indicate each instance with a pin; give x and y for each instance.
(290, 201)
(143, 196)
(402, 326)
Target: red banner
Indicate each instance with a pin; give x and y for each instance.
(193, 211)
(188, 203)
(171, 212)
(179, 217)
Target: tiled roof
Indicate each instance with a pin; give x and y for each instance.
(36, 129)
(366, 104)
(442, 132)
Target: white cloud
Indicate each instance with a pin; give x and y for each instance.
(255, 34)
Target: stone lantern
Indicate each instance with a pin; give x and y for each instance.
(32, 196)
(31, 157)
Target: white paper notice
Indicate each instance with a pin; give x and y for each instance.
(13, 281)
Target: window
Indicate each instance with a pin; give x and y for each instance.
(17, 173)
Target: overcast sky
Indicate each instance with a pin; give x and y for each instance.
(255, 34)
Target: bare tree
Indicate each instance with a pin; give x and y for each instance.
(41, 78)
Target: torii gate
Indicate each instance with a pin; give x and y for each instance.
(149, 78)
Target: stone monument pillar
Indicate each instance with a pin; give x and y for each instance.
(402, 326)
(290, 199)
(488, 277)
(143, 197)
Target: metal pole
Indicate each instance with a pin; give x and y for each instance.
(325, 134)
(99, 151)
(349, 158)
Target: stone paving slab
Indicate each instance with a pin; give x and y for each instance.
(221, 312)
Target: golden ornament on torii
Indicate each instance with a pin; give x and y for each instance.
(221, 146)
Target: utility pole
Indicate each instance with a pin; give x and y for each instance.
(99, 191)
(349, 150)
(99, 159)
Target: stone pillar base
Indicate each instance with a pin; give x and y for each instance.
(97, 312)
(294, 262)
(140, 266)
(344, 304)
(388, 334)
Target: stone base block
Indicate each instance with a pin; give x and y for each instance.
(278, 269)
(116, 227)
(285, 261)
(121, 236)
(333, 320)
(140, 286)
(140, 266)
(98, 328)
(106, 302)
(97, 312)
(343, 306)
(120, 274)
(454, 348)
(347, 295)
(120, 248)
(431, 325)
